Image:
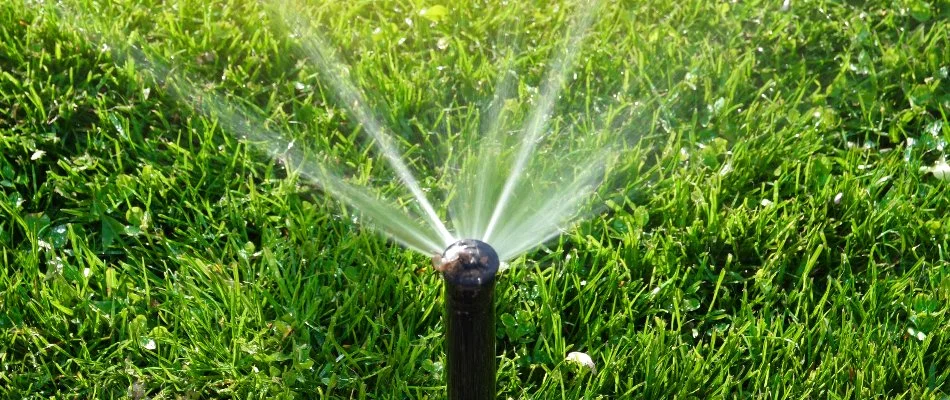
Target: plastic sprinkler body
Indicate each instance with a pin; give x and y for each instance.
(469, 268)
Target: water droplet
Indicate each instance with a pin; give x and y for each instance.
(916, 334)
(58, 236)
(726, 168)
(940, 170)
(503, 267)
(57, 263)
(684, 154)
(717, 106)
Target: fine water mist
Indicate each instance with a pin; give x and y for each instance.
(511, 186)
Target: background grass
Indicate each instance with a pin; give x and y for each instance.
(770, 236)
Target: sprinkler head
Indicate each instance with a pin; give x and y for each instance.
(469, 267)
(468, 263)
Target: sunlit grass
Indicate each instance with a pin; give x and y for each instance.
(772, 233)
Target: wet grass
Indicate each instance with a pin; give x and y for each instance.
(771, 235)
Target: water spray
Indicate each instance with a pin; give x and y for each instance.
(469, 268)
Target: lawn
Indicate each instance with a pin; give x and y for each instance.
(770, 230)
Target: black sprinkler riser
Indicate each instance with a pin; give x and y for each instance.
(469, 268)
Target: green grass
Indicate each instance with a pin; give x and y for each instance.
(771, 235)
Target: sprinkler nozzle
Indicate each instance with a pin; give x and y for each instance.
(468, 262)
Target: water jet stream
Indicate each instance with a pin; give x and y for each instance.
(547, 177)
(388, 219)
(476, 211)
(245, 125)
(553, 83)
(337, 76)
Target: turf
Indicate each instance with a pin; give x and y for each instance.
(771, 234)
